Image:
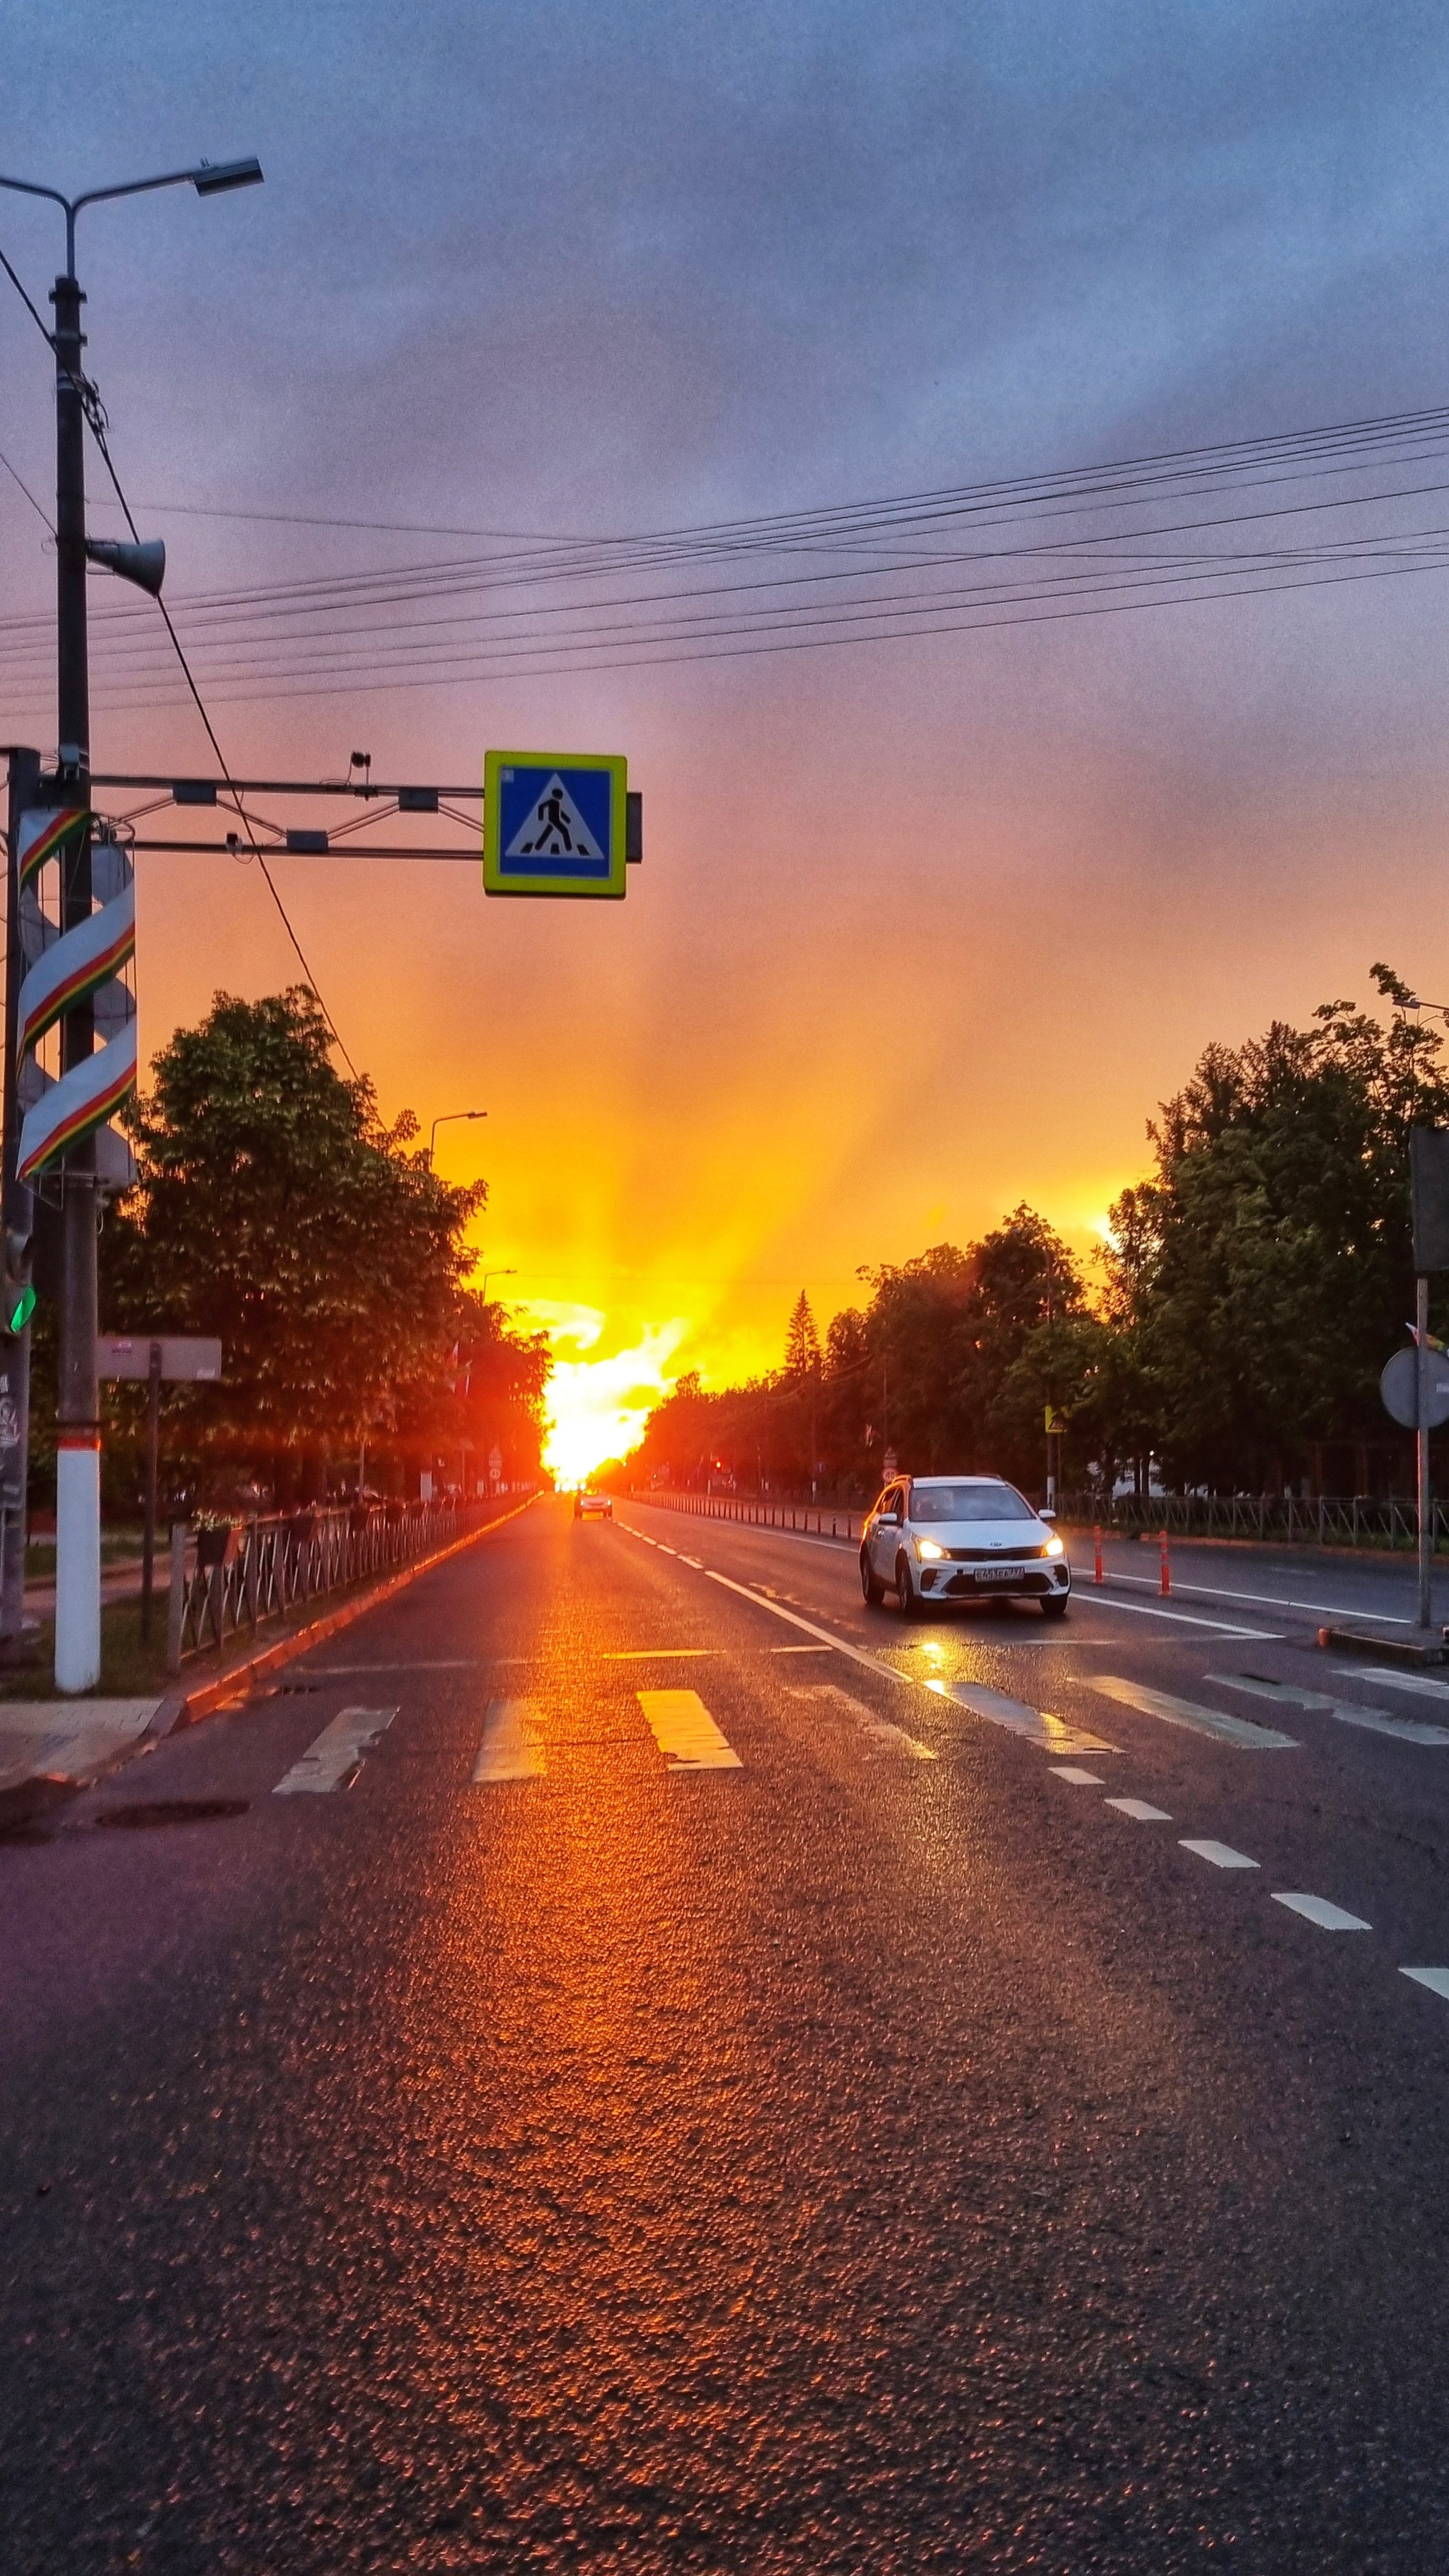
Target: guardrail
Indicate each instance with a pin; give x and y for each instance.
(1345, 1520)
(226, 1582)
(754, 1513)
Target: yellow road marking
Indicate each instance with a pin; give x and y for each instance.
(685, 1733)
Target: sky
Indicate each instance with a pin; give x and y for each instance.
(925, 927)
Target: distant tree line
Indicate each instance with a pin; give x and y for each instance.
(1231, 1329)
(275, 1209)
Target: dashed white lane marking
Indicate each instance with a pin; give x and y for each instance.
(663, 1550)
(447, 1664)
(1078, 1779)
(1139, 1811)
(334, 1761)
(512, 1746)
(878, 1731)
(1436, 1979)
(1239, 1731)
(694, 1561)
(1180, 1618)
(658, 1654)
(685, 1733)
(1329, 1918)
(1222, 1855)
(799, 1650)
(1376, 1721)
(1035, 1725)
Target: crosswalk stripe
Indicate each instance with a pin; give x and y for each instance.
(1377, 1721)
(1035, 1725)
(1240, 1731)
(685, 1733)
(512, 1748)
(335, 1759)
(878, 1731)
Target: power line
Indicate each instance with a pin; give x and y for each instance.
(41, 514)
(36, 316)
(98, 433)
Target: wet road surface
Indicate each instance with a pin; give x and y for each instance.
(690, 2072)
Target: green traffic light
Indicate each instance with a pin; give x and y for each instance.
(20, 1308)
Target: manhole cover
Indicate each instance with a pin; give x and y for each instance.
(173, 1811)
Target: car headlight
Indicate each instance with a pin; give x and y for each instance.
(1054, 1547)
(928, 1552)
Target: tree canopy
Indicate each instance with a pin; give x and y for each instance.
(276, 1209)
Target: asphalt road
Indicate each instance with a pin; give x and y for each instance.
(779, 2115)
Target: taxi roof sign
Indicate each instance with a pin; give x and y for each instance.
(555, 822)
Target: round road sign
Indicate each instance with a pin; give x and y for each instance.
(1400, 1390)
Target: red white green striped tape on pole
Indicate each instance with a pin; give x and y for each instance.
(64, 969)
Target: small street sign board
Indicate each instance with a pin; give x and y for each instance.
(184, 1356)
(555, 822)
(1399, 1387)
(1055, 1422)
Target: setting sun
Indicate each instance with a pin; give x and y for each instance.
(599, 1406)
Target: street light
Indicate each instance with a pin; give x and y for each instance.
(443, 1122)
(495, 1274)
(77, 1499)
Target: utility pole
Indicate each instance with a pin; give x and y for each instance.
(78, 1432)
(15, 1213)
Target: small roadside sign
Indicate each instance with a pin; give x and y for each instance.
(555, 823)
(1055, 1422)
(1399, 1387)
(185, 1357)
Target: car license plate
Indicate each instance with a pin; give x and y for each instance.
(1000, 1573)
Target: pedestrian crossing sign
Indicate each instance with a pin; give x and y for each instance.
(554, 822)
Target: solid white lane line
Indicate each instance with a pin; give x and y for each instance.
(1267, 1600)
(1238, 1731)
(840, 1645)
(1376, 1721)
(1222, 1855)
(1035, 1725)
(1139, 1811)
(335, 1759)
(1329, 1918)
(1078, 1779)
(797, 1650)
(1436, 1979)
(685, 1733)
(658, 1654)
(512, 1747)
(1180, 1618)
(446, 1664)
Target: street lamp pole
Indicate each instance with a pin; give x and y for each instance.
(444, 1120)
(78, 1434)
(495, 1274)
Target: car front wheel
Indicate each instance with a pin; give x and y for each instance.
(906, 1592)
(1054, 1606)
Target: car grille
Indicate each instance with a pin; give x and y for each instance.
(993, 1555)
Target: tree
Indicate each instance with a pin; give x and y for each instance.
(274, 1208)
(1266, 1272)
(802, 1342)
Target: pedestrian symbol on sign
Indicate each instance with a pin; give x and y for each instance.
(555, 828)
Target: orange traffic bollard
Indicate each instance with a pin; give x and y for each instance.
(1166, 1568)
(1097, 1566)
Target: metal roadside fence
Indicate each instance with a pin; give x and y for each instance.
(230, 1580)
(1350, 1520)
(823, 1519)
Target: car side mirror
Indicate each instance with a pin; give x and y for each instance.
(890, 1520)
(1046, 1516)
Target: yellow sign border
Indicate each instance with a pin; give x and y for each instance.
(612, 887)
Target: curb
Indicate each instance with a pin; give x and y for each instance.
(235, 1683)
(1394, 1650)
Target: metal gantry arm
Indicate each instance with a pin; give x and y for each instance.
(208, 178)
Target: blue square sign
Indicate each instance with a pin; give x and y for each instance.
(553, 823)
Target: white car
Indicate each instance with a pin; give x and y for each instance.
(961, 1538)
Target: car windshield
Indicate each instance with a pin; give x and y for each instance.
(969, 1503)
